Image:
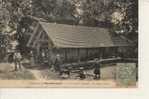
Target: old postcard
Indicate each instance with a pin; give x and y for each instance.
(68, 43)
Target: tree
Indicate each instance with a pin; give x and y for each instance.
(125, 21)
(125, 18)
(60, 11)
(121, 16)
(13, 11)
(92, 12)
(4, 43)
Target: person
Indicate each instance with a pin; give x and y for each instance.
(82, 74)
(10, 58)
(65, 74)
(57, 64)
(17, 60)
(97, 71)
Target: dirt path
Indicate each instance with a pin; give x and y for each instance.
(44, 74)
(37, 74)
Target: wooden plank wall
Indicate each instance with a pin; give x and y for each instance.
(76, 54)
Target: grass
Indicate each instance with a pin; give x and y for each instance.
(17, 75)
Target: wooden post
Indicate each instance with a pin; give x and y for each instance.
(78, 54)
(32, 59)
(38, 51)
(101, 53)
(87, 53)
(65, 55)
(105, 2)
(117, 53)
(37, 38)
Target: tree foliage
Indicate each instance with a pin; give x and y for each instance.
(121, 16)
(128, 25)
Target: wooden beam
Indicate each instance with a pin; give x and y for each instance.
(99, 52)
(42, 40)
(87, 53)
(33, 35)
(37, 38)
(78, 50)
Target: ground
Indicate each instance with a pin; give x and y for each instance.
(43, 76)
(45, 73)
(7, 73)
(33, 73)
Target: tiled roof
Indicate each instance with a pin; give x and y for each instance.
(72, 36)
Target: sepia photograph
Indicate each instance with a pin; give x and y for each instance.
(69, 43)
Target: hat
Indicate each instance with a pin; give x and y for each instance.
(81, 68)
(57, 55)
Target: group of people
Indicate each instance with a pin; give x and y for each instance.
(96, 72)
(16, 57)
(65, 73)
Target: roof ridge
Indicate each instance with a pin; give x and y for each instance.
(83, 26)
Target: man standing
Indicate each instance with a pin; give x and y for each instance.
(17, 60)
(82, 74)
(97, 71)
